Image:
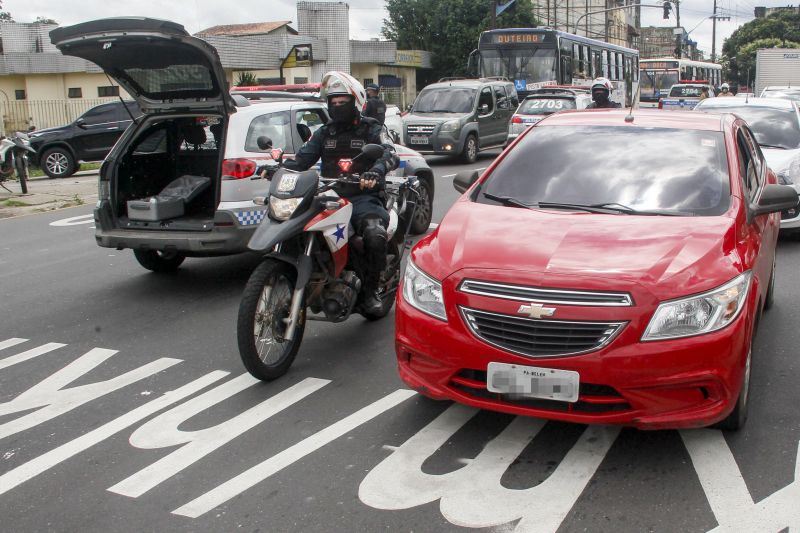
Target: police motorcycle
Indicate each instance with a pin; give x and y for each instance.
(313, 265)
(14, 152)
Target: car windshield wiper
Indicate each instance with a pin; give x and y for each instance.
(764, 145)
(507, 200)
(622, 208)
(608, 207)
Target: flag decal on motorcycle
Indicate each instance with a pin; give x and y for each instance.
(288, 183)
(339, 233)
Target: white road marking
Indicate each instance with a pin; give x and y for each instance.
(472, 496)
(52, 399)
(163, 432)
(74, 221)
(29, 354)
(8, 343)
(44, 462)
(276, 463)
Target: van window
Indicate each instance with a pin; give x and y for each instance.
(501, 98)
(487, 99)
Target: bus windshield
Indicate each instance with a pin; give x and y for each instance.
(657, 82)
(530, 64)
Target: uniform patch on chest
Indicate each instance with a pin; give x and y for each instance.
(357, 143)
(330, 143)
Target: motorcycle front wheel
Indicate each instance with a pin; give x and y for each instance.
(261, 326)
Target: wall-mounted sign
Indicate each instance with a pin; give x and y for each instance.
(408, 58)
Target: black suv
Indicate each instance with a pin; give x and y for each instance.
(89, 138)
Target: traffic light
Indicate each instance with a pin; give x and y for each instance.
(667, 9)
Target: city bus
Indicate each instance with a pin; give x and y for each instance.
(537, 57)
(658, 75)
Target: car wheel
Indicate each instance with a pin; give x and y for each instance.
(738, 416)
(470, 152)
(424, 211)
(58, 163)
(159, 261)
(769, 300)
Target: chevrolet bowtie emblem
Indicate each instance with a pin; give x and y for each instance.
(536, 310)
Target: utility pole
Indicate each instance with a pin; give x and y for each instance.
(678, 36)
(714, 34)
(493, 23)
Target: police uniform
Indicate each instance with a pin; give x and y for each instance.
(609, 105)
(376, 109)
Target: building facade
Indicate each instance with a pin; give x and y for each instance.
(659, 41)
(590, 18)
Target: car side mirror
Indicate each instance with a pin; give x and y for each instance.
(81, 123)
(776, 198)
(264, 143)
(465, 179)
(483, 109)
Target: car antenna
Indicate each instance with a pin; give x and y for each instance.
(634, 102)
(123, 101)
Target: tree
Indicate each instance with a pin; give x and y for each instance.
(781, 29)
(449, 30)
(44, 20)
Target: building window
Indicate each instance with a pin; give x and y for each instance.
(107, 90)
(75, 92)
(19, 94)
(301, 79)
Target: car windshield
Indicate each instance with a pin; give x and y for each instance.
(628, 167)
(690, 92)
(654, 83)
(445, 100)
(531, 65)
(775, 128)
(545, 105)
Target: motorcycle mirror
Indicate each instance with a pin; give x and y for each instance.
(373, 151)
(264, 143)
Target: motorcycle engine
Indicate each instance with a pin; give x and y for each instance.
(339, 297)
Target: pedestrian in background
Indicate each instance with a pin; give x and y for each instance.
(375, 107)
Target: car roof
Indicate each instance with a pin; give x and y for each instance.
(647, 118)
(778, 103)
(466, 83)
(781, 87)
(259, 107)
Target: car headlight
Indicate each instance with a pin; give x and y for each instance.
(450, 126)
(699, 314)
(423, 292)
(791, 174)
(282, 209)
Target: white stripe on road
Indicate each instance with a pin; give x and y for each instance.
(30, 354)
(8, 343)
(74, 221)
(276, 463)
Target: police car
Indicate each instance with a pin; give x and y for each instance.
(543, 102)
(685, 95)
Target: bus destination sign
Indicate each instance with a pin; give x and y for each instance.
(659, 65)
(509, 38)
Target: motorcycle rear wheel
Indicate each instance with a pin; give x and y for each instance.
(266, 301)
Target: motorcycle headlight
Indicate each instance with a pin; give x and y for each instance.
(282, 209)
(791, 174)
(450, 126)
(423, 292)
(702, 313)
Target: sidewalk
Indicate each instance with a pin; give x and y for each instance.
(45, 194)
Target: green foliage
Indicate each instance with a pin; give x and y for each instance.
(45, 20)
(781, 30)
(448, 29)
(246, 79)
(5, 16)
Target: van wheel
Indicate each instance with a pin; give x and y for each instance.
(424, 210)
(159, 261)
(58, 163)
(470, 153)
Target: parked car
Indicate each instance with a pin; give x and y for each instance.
(775, 122)
(684, 96)
(613, 286)
(460, 117)
(543, 102)
(187, 108)
(59, 151)
(394, 123)
(786, 92)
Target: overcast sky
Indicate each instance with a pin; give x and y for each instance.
(366, 16)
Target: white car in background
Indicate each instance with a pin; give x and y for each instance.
(775, 122)
(543, 102)
(394, 122)
(781, 91)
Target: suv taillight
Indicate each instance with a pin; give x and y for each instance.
(236, 169)
(516, 119)
(660, 103)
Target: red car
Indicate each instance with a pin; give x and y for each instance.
(605, 269)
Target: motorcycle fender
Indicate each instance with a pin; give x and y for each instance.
(271, 232)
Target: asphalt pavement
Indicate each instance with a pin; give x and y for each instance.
(124, 407)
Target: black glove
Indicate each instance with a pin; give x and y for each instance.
(371, 180)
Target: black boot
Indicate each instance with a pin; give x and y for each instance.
(373, 302)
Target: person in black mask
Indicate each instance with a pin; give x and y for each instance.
(601, 95)
(375, 107)
(343, 138)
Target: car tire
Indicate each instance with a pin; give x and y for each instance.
(58, 162)
(470, 152)
(158, 261)
(769, 300)
(424, 211)
(738, 416)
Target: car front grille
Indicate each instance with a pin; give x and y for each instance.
(592, 398)
(539, 338)
(545, 295)
(420, 129)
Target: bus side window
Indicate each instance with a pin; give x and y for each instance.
(597, 64)
(620, 67)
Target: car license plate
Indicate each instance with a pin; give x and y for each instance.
(419, 139)
(533, 382)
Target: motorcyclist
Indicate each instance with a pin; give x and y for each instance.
(375, 107)
(343, 137)
(601, 95)
(725, 90)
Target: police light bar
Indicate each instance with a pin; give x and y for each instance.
(290, 88)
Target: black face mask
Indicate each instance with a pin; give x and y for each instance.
(343, 114)
(601, 97)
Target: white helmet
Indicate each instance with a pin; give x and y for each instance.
(724, 86)
(336, 83)
(603, 83)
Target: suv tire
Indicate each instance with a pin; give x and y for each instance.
(470, 152)
(58, 162)
(159, 261)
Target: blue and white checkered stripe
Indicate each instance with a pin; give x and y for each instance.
(251, 218)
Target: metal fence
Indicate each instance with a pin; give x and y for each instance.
(24, 115)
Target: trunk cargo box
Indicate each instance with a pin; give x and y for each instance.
(170, 202)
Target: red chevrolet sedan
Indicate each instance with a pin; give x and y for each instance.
(606, 269)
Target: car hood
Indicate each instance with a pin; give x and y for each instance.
(535, 244)
(47, 131)
(156, 61)
(778, 159)
(434, 117)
